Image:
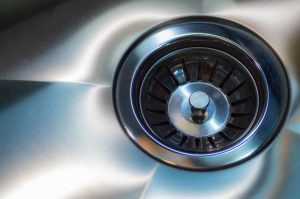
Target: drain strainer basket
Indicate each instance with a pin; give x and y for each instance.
(201, 93)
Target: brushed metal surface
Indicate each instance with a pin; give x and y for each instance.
(59, 136)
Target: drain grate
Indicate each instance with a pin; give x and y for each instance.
(169, 82)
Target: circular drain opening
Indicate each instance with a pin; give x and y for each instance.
(201, 93)
(166, 90)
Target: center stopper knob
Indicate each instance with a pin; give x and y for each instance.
(199, 102)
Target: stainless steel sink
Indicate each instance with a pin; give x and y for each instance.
(59, 133)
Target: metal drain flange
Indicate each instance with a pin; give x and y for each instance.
(201, 93)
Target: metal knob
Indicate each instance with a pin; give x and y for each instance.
(199, 102)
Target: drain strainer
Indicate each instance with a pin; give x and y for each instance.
(172, 91)
(201, 93)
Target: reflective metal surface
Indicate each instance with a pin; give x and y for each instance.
(218, 110)
(59, 134)
(199, 102)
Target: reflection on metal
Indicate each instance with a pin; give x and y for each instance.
(180, 75)
(54, 133)
(179, 110)
(199, 102)
(73, 179)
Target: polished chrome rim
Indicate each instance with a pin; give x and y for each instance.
(209, 33)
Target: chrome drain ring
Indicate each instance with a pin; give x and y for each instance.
(266, 106)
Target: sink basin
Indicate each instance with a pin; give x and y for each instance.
(59, 133)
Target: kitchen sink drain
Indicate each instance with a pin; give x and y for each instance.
(224, 84)
(201, 93)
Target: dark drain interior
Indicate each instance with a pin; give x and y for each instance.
(198, 65)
